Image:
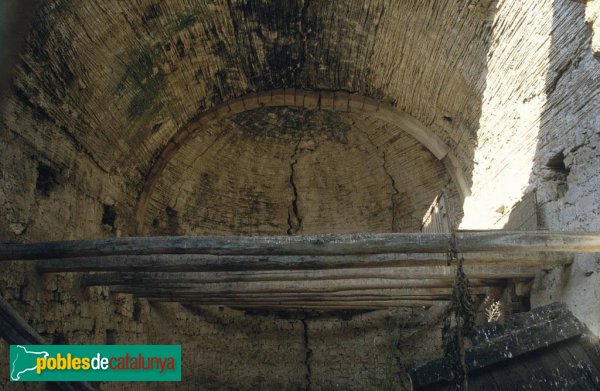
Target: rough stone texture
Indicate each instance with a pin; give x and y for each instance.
(152, 67)
(102, 87)
(540, 130)
(221, 348)
(592, 16)
(296, 171)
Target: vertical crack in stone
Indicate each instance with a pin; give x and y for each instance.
(396, 192)
(294, 219)
(388, 174)
(307, 357)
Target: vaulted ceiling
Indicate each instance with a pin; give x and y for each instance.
(107, 87)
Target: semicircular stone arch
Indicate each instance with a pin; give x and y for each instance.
(295, 161)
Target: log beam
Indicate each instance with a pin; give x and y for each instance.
(347, 244)
(208, 262)
(416, 279)
(396, 276)
(276, 287)
(316, 306)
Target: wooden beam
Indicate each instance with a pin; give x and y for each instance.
(299, 295)
(343, 295)
(397, 276)
(294, 301)
(161, 278)
(316, 306)
(208, 262)
(271, 287)
(347, 244)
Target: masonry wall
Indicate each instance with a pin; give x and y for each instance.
(540, 130)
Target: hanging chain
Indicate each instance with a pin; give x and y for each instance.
(459, 321)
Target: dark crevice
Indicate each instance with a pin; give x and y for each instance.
(396, 192)
(560, 172)
(307, 357)
(137, 311)
(294, 219)
(111, 336)
(557, 164)
(109, 215)
(46, 179)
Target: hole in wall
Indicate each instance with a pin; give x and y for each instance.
(59, 339)
(111, 336)
(137, 311)
(557, 164)
(109, 215)
(172, 220)
(46, 179)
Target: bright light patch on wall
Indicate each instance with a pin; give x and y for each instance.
(513, 100)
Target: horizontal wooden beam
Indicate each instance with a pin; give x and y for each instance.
(388, 293)
(347, 244)
(208, 262)
(277, 300)
(394, 275)
(315, 306)
(300, 295)
(271, 287)
(410, 277)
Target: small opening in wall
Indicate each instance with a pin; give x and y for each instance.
(172, 220)
(137, 311)
(557, 164)
(111, 335)
(59, 339)
(109, 215)
(46, 179)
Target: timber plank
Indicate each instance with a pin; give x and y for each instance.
(347, 244)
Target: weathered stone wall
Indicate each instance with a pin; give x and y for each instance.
(540, 130)
(224, 348)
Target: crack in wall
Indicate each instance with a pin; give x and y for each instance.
(396, 191)
(294, 219)
(388, 174)
(307, 357)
